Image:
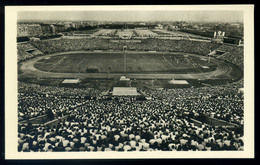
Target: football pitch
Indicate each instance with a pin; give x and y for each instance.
(120, 62)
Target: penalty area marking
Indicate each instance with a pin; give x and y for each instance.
(168, 61)
(81, 61)
(58, 63)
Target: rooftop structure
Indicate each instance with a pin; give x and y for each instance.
(125, 91)
(70, 81)
(181, 82)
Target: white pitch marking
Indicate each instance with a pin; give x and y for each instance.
(168, 61)
(81, 61)
(58, 63)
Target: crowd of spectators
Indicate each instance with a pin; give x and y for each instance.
(233, 54)
(124, 124)
(35, 100)
(63, 45)
(27, 51)
(222, 102)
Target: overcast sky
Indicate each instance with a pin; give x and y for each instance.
(212, 16)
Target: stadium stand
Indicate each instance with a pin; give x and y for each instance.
(63, 45)
(100, 123)
(234, 55)
(27, 51)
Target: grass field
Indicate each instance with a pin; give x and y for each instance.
(114, 63)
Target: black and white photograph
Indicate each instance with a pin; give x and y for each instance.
(129, 82)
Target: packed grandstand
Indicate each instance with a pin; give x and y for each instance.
(84, 119)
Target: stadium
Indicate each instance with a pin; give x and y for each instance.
(149, 94)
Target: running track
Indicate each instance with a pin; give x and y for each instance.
(29, 71)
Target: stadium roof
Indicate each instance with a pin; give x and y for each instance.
(205, 67)
(123, 78)
(178, 82)
(125, 91)
(70, 81)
